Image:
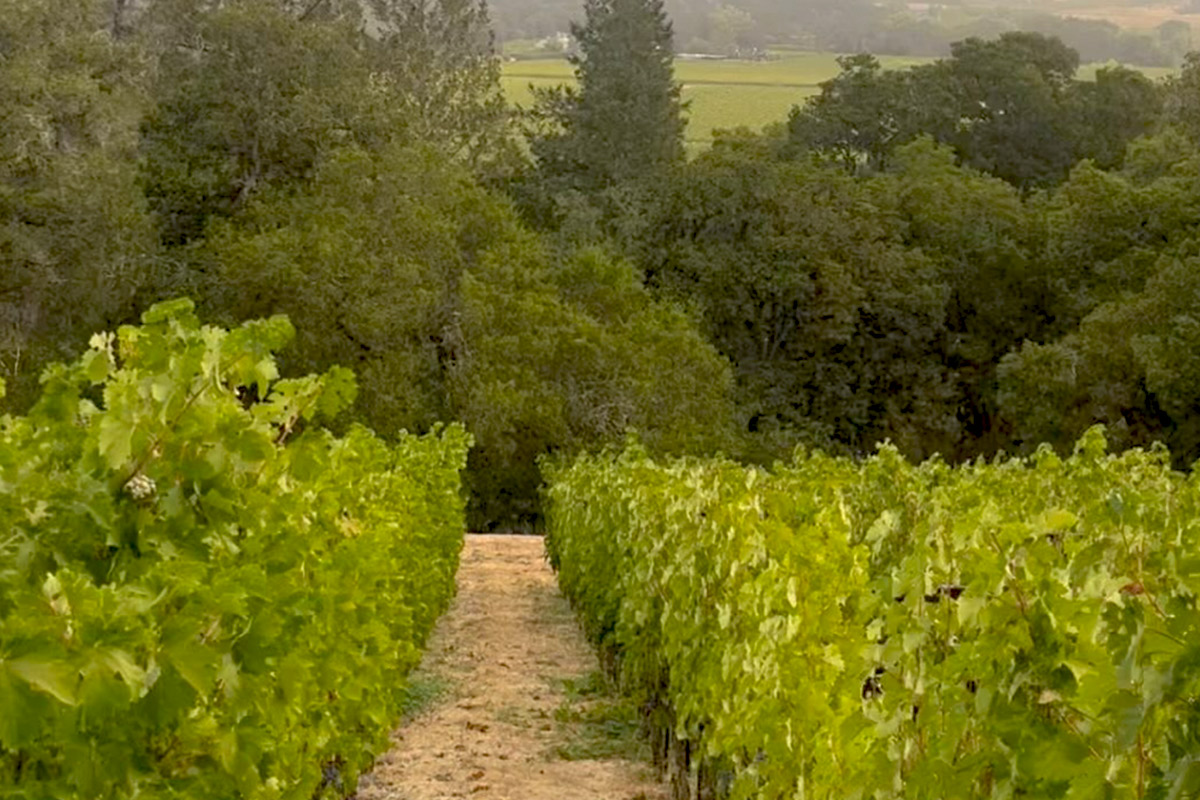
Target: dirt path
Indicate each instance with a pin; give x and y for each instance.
(519, 715)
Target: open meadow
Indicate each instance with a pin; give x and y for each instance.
(727, 94)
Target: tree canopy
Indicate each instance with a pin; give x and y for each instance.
(973, 255)
(1011, 107)
(76, 237)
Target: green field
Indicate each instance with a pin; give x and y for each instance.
(722, 94)
(727, 94)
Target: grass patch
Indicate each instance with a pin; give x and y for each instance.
(511, 716)
(788, 69)
(594, 724)
(422, 692)
(712, 107)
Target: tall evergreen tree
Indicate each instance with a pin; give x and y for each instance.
(624, 119)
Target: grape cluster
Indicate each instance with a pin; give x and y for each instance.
(140, 487)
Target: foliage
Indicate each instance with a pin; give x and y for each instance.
(862, 113)
(1012, 92)
(401, 267)
(568, 359)
(981, 236)
(254, 102)
(1183, 97)
(803, 280)
(203, 594)
(876, 629)
(262, 92)
(368, 261)
(625, 119)
(1011, 107)
(1118, 107)
(1131, 364)
(75, 236)
(440, 63)
(900, 302)
(962, 284)
(1119, 250)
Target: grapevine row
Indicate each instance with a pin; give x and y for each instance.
(204, 594)
(854, 630)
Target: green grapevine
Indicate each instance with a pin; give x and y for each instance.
(877, 629)
(203, 594)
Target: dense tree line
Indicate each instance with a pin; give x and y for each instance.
(979, 254)
(329, 160)
(1011, 106)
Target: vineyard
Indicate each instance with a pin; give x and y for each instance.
(874, 629)
(206, 594)
(283, 540)
(203, 594)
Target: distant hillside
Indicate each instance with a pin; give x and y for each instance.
(1144, 35)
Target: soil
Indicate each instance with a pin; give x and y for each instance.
(504, 655)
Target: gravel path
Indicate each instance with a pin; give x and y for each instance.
(504, 652)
